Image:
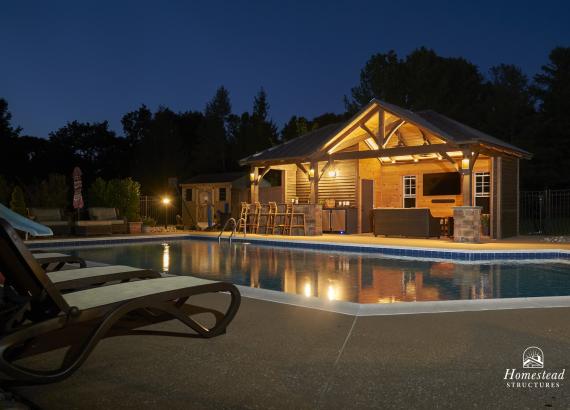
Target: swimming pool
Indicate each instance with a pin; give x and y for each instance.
(337, 275)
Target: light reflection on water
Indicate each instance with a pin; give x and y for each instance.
(334, 275)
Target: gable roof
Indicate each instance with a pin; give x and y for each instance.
(453, 132)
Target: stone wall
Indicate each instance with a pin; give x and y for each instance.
(467, 223)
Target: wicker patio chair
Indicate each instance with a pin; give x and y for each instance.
(90, 313)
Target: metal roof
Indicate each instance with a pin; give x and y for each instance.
(299, 147)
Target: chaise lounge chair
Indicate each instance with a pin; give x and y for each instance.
(43, 310)
(53, 261)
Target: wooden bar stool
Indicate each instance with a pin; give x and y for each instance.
(282, 220)
(254, 215)
(292, 220)
(243, 215)
(270, 221)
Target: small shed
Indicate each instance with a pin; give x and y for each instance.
(206, 197)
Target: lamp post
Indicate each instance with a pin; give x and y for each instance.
(166, 202)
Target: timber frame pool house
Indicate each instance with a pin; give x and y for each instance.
(381, 157)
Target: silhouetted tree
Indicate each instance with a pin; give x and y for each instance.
(295, 127)
(552, 131)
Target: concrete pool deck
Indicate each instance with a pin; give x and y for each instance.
(277, 356)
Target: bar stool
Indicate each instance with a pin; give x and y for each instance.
(243, 215)
(270, 221)
(292, 218)
(254, 217)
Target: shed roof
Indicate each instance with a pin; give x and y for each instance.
(215, 178)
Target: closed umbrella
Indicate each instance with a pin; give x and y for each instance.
(77, 185)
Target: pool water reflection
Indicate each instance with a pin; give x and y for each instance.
(334, 275)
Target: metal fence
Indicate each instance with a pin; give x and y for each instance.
(152, 207)
(545, 212)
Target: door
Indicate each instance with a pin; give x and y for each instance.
(367, 204)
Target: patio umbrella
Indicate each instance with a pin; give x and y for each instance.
(24, 224)
(77, 185)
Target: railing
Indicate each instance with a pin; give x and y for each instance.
(544, 212)
(152, 207)
(235, 226)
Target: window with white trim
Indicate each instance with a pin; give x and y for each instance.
(409, 186)
(483, 190)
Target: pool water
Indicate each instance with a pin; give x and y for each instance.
(336, 275)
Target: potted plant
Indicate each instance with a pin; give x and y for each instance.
(148, 224)
(485, 225)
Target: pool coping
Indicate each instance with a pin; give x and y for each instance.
(468, 256)
(403, 308)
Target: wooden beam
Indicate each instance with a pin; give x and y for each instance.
(401, 141)
(393, 130)
(334, 142)
(370, 133)
(381, 127)
(265, 171)
(447, 157)
(393, 152)
(303, 169)
(424, 136)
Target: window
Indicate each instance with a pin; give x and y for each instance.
(188, 194)
(222, 194)
(483, 191)
(409, 191)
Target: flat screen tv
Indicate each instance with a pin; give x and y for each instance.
(445, 183)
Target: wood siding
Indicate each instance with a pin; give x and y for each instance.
(342, 187)
(391, 185)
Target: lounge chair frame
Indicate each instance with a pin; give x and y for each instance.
(47, 312)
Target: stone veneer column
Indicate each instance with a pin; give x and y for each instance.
(466, 223)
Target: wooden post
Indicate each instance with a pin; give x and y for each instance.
(254, 176)
(314, 181)
(467, 188)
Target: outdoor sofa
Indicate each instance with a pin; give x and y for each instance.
(54, 218)
(413, 222)
(102, 221)
(41, 312)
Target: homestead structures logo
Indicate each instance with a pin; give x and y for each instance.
(533, 358)
(535, 376)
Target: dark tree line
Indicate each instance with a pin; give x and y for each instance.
(531, 113)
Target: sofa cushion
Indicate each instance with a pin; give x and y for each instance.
(93, 223)
(56, 223)
(46, 214)
(102, 214)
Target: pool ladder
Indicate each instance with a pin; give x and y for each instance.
(235, 226)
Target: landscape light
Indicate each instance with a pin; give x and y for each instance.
(166, 200)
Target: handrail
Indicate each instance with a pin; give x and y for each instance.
(235, 226)
(225, 226)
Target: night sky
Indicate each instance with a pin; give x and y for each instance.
(97, 60)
